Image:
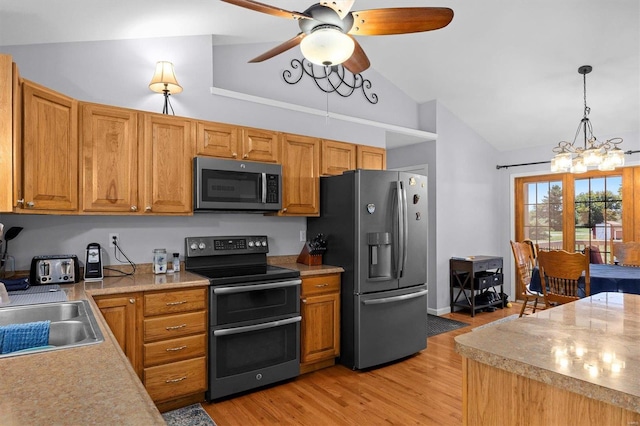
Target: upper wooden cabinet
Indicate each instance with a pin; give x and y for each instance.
(6, 134)
(240, 143)
(337, 157)
(135, 162)
(167, 158)
(110, 166)
(371, 158)
(300, 175)
(50, 150)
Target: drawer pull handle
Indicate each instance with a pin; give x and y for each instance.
(181, 302)
(179, 348)
(176, 327)
(322, 285)
(176, 380)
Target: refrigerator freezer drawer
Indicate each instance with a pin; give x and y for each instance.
(389, 325)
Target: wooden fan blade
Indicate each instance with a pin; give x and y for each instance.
(341, 7)
(279, 48)
(268, 9)
(400, 20)
(358, 61)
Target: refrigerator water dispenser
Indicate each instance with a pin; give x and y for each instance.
(379, 254)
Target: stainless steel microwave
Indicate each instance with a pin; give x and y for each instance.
(239, 186)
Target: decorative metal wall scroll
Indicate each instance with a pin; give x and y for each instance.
(330, 79)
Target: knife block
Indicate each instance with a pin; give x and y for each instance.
(309, 257)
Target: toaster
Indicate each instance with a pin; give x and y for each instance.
(54, 269)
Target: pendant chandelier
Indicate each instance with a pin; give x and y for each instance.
(577, 159)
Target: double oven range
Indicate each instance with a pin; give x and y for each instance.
(254, 313)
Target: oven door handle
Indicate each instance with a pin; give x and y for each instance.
(248, 328)
(245, 288)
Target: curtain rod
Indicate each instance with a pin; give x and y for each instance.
(506, 166)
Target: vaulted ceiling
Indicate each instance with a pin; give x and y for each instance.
(506, 68)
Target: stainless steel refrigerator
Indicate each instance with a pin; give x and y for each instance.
(375, 225)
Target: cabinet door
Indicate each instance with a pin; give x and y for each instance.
(121, 314)
(320, 329)
(300, 175)
(110, 169)
(371, 158)
(6, 134)
(50, 151)
(337, 157)
(260, 145)
(168, 147)
(217, 140)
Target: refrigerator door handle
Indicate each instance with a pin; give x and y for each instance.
(398, 241)
(405, 228)
(395, 298)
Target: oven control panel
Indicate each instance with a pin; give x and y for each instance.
(215, 246)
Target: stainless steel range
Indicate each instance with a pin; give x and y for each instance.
(254, 313)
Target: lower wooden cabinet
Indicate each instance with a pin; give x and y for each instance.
(320, 328)
(164, 335)
(121, 311)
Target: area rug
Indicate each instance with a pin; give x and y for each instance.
(439, 325)
(501, 320)
(192, 415)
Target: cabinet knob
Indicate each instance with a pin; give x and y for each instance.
(284, 210)
(20, 201)
(147, 209)
(245, 156)
(134, 208)
(31, 204)
(234, 155)
(132, 301)
(304, 300)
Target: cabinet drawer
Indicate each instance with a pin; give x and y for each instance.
(172, 326)
(485, 281)
(494, 264)
(174, 350)
(480, 266)
(320, 284)
(171, 381)
(174, 301)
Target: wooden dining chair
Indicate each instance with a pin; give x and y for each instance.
(626, 254)
(525, 262)
(564, 276)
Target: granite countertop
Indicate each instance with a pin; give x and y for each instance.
(92, 384)
(590, 347)
(95, 384)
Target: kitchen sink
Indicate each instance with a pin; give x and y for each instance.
(73, 324)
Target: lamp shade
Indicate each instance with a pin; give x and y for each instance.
(165, 79)
(327, 46)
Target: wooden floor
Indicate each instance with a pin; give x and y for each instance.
(425, 389)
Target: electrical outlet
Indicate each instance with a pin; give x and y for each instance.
(303, 236)
(113, 237)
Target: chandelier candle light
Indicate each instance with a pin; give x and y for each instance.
(603, 155)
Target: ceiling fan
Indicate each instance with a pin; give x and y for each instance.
(327, 29)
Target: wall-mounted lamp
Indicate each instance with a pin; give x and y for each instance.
(164, 81)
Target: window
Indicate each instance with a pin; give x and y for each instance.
(571, 212)
(598, 215)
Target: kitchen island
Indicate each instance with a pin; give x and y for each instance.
(577, 363)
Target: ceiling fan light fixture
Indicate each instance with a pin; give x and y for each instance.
(327, 45)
